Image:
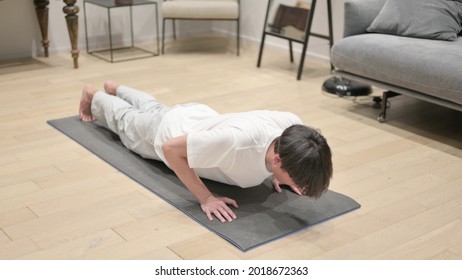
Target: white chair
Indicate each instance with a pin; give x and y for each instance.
(200, 10)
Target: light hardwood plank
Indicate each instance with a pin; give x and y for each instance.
(19, 189)
(154, 239)
(4, 238)
(77, 249)
(165, 224)
(76, 217)
(47, 195)
(428, 245)
(371, 245)
(17, 248)
(16, 216)
(62, 234)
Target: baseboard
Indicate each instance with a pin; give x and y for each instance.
(251, 39)
(297, 47)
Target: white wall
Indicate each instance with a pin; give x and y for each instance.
(17, 36)
(21, 37)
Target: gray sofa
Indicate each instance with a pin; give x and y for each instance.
(427, 69)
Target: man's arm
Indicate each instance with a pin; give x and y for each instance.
(175, 152)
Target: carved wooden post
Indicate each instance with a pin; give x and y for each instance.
(41, 8)
(72, 20)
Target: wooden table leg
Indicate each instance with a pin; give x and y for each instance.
(72, 20)
(41, 8)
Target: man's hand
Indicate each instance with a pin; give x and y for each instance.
(278, 189)
(219, 208)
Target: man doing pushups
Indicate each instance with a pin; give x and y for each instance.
(196, 142)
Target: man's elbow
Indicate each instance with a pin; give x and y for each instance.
(167, 148)
(175, 147)
(171, 149)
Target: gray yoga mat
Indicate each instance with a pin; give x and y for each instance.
(263, 215)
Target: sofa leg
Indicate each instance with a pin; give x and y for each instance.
(383, 114)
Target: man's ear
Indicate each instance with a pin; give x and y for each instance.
(277, 159)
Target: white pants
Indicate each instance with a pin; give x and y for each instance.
(131, 114)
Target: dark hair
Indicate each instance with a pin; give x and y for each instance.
(306, 157)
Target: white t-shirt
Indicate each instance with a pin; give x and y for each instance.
(229, 148)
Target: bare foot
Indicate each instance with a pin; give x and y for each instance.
(110, 87)
(85, 104)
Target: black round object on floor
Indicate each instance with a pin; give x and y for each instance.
(344, 87)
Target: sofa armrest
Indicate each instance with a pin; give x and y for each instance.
(359, 14)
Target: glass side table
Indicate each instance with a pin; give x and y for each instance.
(132, 51)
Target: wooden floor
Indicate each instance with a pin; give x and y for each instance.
(59, 201)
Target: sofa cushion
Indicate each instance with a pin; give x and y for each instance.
(430, 66)
(430, 19)
(359, 15)
(201, 9)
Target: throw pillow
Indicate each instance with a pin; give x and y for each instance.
(429, 19)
